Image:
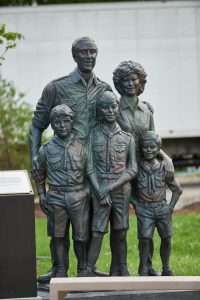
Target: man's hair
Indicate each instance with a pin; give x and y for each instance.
(124, 69)
(75, 45)
(151, 136)
(61, 110)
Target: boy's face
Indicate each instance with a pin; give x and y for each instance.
(150, 150)
(62, 126)
(109, 110)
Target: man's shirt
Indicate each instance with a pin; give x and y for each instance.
(151, 182)
(80, 96)
(63, 164)
(112, 152)
(135, 120)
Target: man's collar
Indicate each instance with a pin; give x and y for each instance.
(76, 76)
(124, 103)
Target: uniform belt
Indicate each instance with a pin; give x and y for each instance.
(108, 176)
(59, 188)
(152, 204)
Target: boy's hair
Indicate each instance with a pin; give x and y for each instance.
(108, 95)
(61, 110)
(151, 136)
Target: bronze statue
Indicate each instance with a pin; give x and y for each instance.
(152, 209)
(136, 117)
(63, 162)
(112, 164)
(79, 90)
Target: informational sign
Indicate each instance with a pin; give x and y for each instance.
(15, 182)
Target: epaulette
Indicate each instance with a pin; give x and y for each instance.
(62, 77)
(46, 143)
(127, 133)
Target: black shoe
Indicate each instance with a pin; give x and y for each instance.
(46, 277)
(88, 272)
(61, 272)
(167, 272)
(124, 272)
(143, 273)
(152, 272)
(99, 273)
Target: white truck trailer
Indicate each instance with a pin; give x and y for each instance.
(163, 36)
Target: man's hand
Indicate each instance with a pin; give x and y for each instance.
(103, 195)
(36, 174)
(167, 164)
(43, 203)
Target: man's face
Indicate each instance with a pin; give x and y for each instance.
(130, 84)
(86, 56)
(62, 126)
(150, 150)
(109, 110)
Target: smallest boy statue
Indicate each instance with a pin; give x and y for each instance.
(62, 162)
(152, 209)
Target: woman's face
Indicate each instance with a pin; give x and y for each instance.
(130, 84)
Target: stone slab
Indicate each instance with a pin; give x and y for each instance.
(28, 298)
(135, 295)
(59, 287)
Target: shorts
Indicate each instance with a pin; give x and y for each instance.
(68, 206)
(117, 213)
(150, 217)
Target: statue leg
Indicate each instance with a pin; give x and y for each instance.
(165, 250)
(114, 267)
(80, 252)
(121, 246)
(143, 253)
(60, 255)
(93, 254)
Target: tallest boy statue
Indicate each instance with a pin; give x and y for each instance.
(79, 90)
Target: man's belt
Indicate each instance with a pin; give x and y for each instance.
(152, 204)
(72, 188)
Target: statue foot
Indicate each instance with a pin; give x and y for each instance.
(43, 279)
(152, 272)
(167, 272)
(61, 272)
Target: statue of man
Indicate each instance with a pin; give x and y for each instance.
(79, 90)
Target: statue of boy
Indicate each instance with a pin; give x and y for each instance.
(62, 162)
(152, 209)
(112, 164)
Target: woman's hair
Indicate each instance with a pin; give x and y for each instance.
(124, 69)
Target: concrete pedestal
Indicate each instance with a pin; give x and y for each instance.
(17, 246)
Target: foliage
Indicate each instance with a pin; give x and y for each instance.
(15, 116)
(185, 255)
(8, 40)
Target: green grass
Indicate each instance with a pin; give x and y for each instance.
(185, 254)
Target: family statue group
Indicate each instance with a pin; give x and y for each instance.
(103, 156)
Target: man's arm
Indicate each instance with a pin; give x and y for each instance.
(40, 179)
(40, 121)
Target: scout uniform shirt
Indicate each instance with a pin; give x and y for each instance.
(63, 164)
(110, 149)
(80, 96)
(151, 183)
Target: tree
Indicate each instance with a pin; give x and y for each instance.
(15, 113)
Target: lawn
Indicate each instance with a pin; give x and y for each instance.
(185, 255)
